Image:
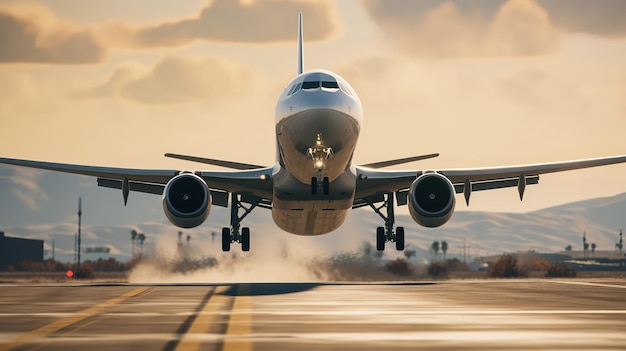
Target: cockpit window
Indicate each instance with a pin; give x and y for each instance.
(330, 85)
(344, 89)
(295, 88)
(310, 85)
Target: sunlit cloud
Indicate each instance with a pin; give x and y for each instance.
(33, 34)
(458, 28)
(598, 17)
(452, 29)
(175, 80)
(235, 21)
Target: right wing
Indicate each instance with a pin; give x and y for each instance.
(372, 182)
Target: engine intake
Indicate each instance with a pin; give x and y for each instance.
(186, 200)
(431, 200)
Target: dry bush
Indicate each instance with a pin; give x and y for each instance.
(456, 265)
(399, 267)
(560, 271)
(505, 267)
(438, 270)
(84, 272)
(540, 264)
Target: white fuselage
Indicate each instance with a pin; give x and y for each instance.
(318, 119)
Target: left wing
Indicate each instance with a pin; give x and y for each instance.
(372, 182)
(250, 182)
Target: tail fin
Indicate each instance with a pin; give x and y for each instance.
(300, 49)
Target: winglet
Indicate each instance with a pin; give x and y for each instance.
(300, 48)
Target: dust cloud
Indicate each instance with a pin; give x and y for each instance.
(277, 263)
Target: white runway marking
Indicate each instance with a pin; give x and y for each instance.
(587, 284)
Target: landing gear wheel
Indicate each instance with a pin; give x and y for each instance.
(314, 185)
(225, 239)
(326, 186)
(380, 239)
(245, 239)
(400, 238)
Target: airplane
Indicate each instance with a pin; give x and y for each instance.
(314, 181)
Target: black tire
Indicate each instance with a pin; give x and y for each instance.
(326, 186)
(225, 239)
(400, 238)
(380, 239)
(314, 185)
(245, 239)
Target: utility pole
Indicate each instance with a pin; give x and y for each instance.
(585, 245)
(80, 213)
(53, 249)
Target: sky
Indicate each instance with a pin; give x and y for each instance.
(483, 83)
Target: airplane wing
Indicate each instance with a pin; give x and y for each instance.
(372, 182)
(252, 182)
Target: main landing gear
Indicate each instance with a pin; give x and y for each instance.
(233, 234)
(386, 233)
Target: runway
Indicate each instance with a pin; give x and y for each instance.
(454, 315)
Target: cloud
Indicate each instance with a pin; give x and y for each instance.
(175, 80)
(236, 21)
(32, 34)
(598, 17)
(24, 184)
(452, 29)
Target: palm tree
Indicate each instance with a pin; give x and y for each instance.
(593, 248)
(435, 249)
(444, 249)
(133, 236)
(141, 237)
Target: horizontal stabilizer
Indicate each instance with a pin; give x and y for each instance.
(209, 161)
(399, 161)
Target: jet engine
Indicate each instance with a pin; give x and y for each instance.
(186, 200)
(431, 200)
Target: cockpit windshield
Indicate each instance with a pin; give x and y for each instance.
(330, 85)
(310, 85)
(316, 81)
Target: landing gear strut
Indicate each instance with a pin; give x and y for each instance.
(235, 233)
(386, 233)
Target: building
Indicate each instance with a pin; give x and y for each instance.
(15, 250)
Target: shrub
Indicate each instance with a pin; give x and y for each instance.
(399, 267)
(540, 264)
(456, 265)
(505, 267)
(84, 272)
(560, 271)
(438, 270)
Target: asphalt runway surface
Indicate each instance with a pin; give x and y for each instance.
(453, 315)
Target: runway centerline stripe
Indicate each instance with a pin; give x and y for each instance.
(67, 321)
(203, 320)
(240, 323)
(588, 284)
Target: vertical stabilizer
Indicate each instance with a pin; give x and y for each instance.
(300, 49)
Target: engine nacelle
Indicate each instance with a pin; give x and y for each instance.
(186, 200)
(431, 200)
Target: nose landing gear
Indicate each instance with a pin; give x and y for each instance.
(319, 154)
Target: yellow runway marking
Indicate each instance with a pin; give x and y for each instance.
(240, 322)
(204, 320)
(69, 332)
(65, 322)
